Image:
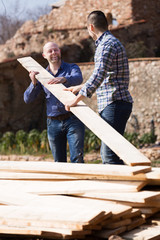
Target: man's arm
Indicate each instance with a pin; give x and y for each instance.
(74, 102)
(33, 90)
(74, 77)
(102, 70)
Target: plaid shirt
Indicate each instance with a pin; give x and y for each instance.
(110, 78)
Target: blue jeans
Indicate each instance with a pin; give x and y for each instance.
(116, 114)
(71, 129)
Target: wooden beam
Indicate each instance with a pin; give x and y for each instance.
(146, 233)
(69, 168)
(124, 149)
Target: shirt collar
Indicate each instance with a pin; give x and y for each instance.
(101, 38)
(61, 67)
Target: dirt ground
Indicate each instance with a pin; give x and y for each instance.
(152, 153)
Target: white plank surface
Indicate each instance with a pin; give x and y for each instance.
(124, 149)
(70, 168)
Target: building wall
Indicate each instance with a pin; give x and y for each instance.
(144, 87)
(67, 27)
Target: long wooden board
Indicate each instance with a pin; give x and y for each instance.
(44, 232)
(60, 214)
(135, 197)
(124, 149)
(153, 177)
(145, 233)
(35, 176)
(69, 168)
(78, 187)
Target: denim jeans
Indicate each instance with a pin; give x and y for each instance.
(71, 129)
(116, 114)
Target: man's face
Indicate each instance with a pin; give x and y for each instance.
(52, 53)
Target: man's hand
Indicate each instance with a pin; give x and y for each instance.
(70, 104)
(74, 89)
(32, 75)
(57, 80)
(74, 102)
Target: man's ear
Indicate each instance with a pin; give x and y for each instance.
(43, 55)
(92, 27)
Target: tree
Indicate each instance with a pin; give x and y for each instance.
(10, 23)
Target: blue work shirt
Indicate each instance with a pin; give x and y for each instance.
(73, 75)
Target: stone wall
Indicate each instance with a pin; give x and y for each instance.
(66, 25)
(15, 114)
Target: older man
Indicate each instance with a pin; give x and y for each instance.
(61, 124)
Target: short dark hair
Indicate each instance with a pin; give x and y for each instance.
(98, 19)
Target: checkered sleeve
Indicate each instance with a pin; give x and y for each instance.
(103, 61)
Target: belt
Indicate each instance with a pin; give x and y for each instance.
(61, 117)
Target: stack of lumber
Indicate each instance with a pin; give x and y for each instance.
(79, 201)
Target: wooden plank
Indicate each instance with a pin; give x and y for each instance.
(117, 219)
(153, 203)
(34, 176)
(124, 149)
(43, 232)
(13, 197)
(149, 210)
(117, 224)
(69, 168)
(153, 177)
(105, 233)
(23, 223)
(21, 198)
(34, 215)
(108, 207)
(78, 187)
(145, 233)
(135, 197)
(135, 213)
(136, 222)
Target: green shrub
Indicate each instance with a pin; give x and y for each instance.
(21, 141)
(132, 138)
(44, 144)
(33, 140)
(147, 138)
(8, 142)
(91, 141)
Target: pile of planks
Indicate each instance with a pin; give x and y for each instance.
(79, 201)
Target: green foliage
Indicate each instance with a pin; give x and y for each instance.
(147, 138)
(91, 141)
(140, 141)
(132, 138)
(44, 146)
(21, 140)
(33, 140)
(36, 142)
(8, 141)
